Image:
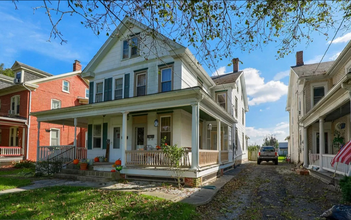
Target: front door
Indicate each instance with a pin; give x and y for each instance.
(115, 147)
(140, 142)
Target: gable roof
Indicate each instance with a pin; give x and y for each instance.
(18, 65)
(310, 69)
(226, 78)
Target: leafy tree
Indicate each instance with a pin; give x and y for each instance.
(7, 71)
(270, 140)
(215, 29)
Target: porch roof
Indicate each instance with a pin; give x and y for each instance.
(7, 121)
(158, 101)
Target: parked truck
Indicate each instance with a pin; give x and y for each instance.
(267, 153)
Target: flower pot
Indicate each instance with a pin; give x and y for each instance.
(101, 159)
(84, 166)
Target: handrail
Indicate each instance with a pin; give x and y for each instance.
(54, 158)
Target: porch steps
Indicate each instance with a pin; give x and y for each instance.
(86, 175)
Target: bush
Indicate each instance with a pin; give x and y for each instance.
(48, 168)
(345, 185)
(25, 164)
(253, 148)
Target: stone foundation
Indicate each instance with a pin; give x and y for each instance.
(193, 182)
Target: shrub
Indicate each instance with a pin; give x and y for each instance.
(253, 148)
(25, 164)
(48, 168)
(345, 185)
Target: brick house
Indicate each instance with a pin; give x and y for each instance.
(35, 90)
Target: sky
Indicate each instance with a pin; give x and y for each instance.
(25, 37)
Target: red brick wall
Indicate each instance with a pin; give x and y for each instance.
(6, 103)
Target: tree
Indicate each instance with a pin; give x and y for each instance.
(270, 140)
(7, 71)
(215, 29)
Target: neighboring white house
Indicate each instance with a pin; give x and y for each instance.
(319, 110)
(283, 148)
(144, 89)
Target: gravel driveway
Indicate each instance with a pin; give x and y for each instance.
(268, 191)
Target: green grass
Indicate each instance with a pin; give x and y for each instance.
(10, 183)
(281, 158)
(65, 202)
(15, 171)
(13, 178)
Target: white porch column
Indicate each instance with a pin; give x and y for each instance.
(38, 141)
(219, 140)
(195, 136)
(23, 140)
(305, 148)
(75, 137)
(124, 138)
(321, 142)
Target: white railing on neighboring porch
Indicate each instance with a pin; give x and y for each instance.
(314, 159)
(341, 168)
(154, 158)
(10, 151)
(208, 157)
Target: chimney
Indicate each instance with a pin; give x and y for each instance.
(299, 58)
(235, 65)
(77, 66)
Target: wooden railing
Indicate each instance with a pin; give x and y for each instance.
(224, 156)
(341, 168)
(313, 159)
(10, 151)
(153, 158)
(82, 153)
(208, 157)
(47, 152)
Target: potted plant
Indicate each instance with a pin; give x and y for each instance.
(83, 164)
(101, 159)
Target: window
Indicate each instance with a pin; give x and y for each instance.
(55, 104)
(15, 104)
(243, 117)
(54, 137)
(236, 107)
(65, 86)
(318, 93)
(165, 129)
(140, 84)
(14, 137)
(97, 136)
(166, 80)
(18, 77)
(221, 98)
(99, 92)
(87, 93)
(118, 88)
(131, 47)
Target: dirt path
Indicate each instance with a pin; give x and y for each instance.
(268, 191)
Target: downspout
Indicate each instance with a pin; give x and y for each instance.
(28, 120)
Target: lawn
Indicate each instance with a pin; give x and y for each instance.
(13, 178)
(281, 158)
(65, 202)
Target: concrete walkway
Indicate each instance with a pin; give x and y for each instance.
(197, 196)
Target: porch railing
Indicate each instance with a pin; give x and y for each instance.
(65, 152)
(224, 156)
(341, 168)
(208, 157)
(10, 151)
(314, 159)
(82, 153)
(154, 158)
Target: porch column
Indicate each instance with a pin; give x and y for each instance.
(305, 147)
(38, 141)
(75, 137)
(124, 138)
(23, 140)
(195, 136)
(321, 142)
(219, 140)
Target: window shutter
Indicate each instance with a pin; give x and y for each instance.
(104, 136)
(91, 92)
(90, 137)
(126, 85)
(108, 90)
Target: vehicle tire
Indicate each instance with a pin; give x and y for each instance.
(276, 162)
(258, 162)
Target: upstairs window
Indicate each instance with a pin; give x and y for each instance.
(221, 98)
(318, 93)
(65, 86)
(55, 104)
(131, 47)
(18, 77)
(15, 105)
(140, 84)
(166, 80)
(99, 92)
(118, 88)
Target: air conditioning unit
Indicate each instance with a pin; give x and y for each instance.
(16, 80)
(12, 112)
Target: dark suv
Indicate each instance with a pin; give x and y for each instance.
(267, 153)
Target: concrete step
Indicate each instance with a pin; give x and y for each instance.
(88, 175)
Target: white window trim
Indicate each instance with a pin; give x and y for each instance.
(52, 102)
(129, 39)
(95, 89)
(16, 103)
(172, 77)
(86, 89)
(59, 135)
(14, 137)
(226, 98)
(314, 85)
(136, 81)
(63, 83)
(113, 85)
(92, 136)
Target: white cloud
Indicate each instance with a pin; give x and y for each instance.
(260, 92)
(281, 75)
(220, 71)
(256, 135)
(342, 39)
(334, 56)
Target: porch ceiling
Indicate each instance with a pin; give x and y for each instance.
(338, 112)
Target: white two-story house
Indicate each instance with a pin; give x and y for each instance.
(144, 89)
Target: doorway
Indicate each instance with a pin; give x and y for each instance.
(115, 148)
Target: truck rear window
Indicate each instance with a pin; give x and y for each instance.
(267, 149)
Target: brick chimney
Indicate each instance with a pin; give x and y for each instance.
(77, 66)
(235, 65)
(299, 58)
